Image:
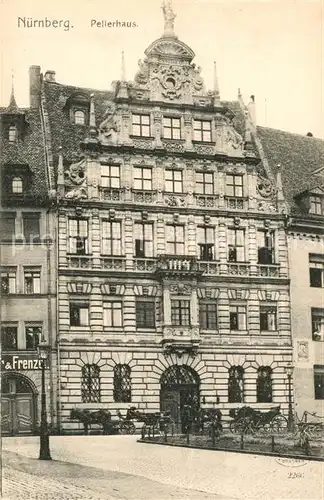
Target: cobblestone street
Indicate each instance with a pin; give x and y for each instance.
(117, 467)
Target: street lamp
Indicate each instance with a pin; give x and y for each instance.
(291, 423)
(44, 450)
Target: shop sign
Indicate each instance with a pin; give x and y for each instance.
(20, 362)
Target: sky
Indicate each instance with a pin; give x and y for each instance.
(269, 48)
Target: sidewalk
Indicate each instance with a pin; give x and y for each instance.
(25, 478)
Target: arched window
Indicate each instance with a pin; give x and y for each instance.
(90, 383)
(122, 384)
(235, 384)
(79, 117)
(12, 135)
(17, 185)
(264, 385)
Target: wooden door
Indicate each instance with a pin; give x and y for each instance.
(6, 415)
(24, 417)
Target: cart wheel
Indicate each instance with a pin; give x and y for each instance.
(233, 426)
(265, 429)
(127, 428)
(279, 424)
(316, 431)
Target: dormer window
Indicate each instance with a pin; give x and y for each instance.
(13, 133)
(316, 205)
(17, 185)
(79, 117)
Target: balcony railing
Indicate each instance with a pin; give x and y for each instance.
(79, 262)
(148, 265)
(177, 264)
(233, 203)
(204, 200)
(113, 263)
(209, 267)
(181, 334)
(238, 269)
(144, 196)
(111, 194)
(269, 270)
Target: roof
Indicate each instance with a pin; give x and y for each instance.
(28, 151)
(299, 157)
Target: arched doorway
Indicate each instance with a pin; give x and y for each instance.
(17, 405)
(179, 387)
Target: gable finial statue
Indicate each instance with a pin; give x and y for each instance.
(169, 17)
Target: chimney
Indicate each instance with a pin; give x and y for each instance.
(49, 76)
(34, 86)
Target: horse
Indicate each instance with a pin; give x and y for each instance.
(101, 417)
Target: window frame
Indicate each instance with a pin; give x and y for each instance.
(317, 316)
(238, 322)
(35, 275)
(318, 373)
(233, 236)
(31, 216)
(14, 181)
(35, 344)
(14, 345)
(112, 179)
(8, 216)
(89, 394)
(316, 263)
(199, 132)
(317, 201)
(147, 308)
(204, 315)
(173, 182)
(79, 305)
(175, 242)
(140, 126)
(263, 397)
(142, 178)
(266, 246)
(77, 115)
(109, 239)
(11, 275)
(78, 238)
(237, 397)
(207, 249)
(122, 381)
(180, 312)
(12, 134)
(148, 244)
(203, 183)
(233, 189)
(266, 309)
(172, 128)
(113, 303)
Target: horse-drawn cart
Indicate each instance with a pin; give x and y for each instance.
(247, 420)
(104, 419)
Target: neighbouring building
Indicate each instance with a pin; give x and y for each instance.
(173, 283)
(302, 166)
(28, 263)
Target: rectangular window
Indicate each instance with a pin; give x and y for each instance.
(78, 236)
(236, 245)
(318, 324)
(111, 238)
(204, 183)
(266, 247)
(31, 226)
(171, 128)
(202, 130)
(9, 338)
(32, 280)
(234, 185)
(206, 243)
(175, 239)
(145, 313)
(316, 205)
(33, 336)
(208, 315)
(79, 314)
(110, 176)
(319, 381)
(8, 225)
(268, 318)
(316, 271)
(143, 240)
(8, 281)
(237, 317)
(180, 312)
(173, 181)
(143, 178)
(141, 125)
(112, 313)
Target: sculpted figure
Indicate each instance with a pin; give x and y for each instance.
(169, 16)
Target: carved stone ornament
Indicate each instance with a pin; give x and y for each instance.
(109, 128)
(180, 289)
(175, 201)
(264, 187)
(76, 194)
(75, 175)
(265, 206)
